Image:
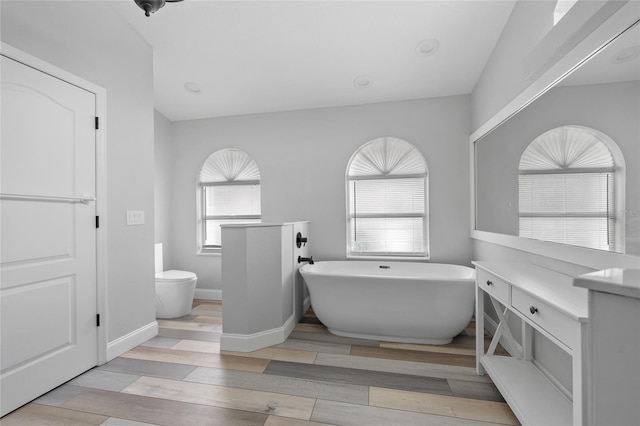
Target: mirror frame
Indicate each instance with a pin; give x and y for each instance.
(608, 32)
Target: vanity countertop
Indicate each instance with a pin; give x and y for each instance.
(623, 282)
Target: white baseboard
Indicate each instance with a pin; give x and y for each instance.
(491, 327)
(131, 340)
(255, 341)
(208, 294)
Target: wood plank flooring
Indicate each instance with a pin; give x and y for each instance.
(181, 377)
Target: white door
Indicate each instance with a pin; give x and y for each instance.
(47, 230)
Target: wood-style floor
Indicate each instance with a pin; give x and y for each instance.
(315, 378)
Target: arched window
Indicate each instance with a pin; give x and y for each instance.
(387, 200)
(229, 190)
(568, 179)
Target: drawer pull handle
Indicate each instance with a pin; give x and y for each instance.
(533, 310)
(489, 282)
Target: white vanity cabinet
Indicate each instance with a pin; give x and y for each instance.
(547, 302)
(614, 346)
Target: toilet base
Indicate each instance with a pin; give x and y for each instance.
(174, 299)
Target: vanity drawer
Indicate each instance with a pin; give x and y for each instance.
(493, 285)
(556, 323)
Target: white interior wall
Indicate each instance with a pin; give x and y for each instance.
(162, 185)
(503, 75)
(124, 67)
(303, 157)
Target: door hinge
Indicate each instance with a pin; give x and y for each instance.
(98, 320)
(97, 123)
(97, 221)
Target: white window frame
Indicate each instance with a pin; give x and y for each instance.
(425, 254)
(201, 204)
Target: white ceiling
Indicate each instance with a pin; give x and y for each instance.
(263, 56)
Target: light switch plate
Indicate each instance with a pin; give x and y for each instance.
(135, 217)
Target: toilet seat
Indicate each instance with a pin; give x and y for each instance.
(174, 276)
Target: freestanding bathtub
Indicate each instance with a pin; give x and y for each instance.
(392, 301)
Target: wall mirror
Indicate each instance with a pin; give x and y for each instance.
(566, 168)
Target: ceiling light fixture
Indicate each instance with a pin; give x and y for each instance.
(192, 87)
(626, 55)
(427, 47)
(362, 82)
(152, 6)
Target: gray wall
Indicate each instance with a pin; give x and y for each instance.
(163, 177)
(303, 157)
(62, 33)
(530, 45)
(503, 77)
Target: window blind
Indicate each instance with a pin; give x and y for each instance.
(575, 208)
(232, 200)
(387, 216)
(228, 204)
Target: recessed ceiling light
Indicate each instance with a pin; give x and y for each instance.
(427, 47)
(192, 87)
(362, 82)
(626, 55)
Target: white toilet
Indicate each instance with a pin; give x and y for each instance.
(174, 289)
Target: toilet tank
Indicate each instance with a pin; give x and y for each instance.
(158, 258)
